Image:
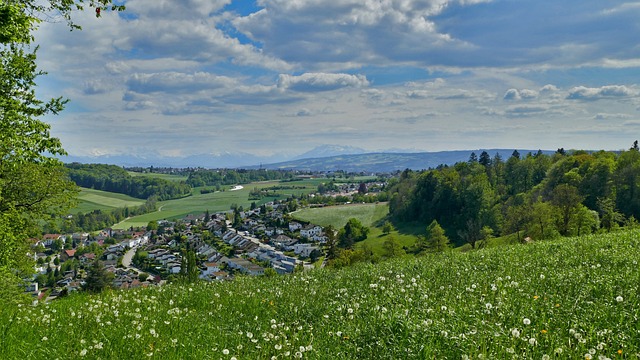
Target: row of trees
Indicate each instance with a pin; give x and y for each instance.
(537, 195)
(113, 178)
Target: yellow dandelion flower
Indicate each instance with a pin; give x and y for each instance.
(620, 352)
(544, 331)
(536, 297)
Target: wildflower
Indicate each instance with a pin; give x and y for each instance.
(44, 338)
(543, 331)
(249, 335)
(620, 352)
(488, 306)
(83, 352)
(532, 341)
(526, 321)
(515, 333)
(298, 355)
(277, 346)
(225, 351)
(587, 356)
(619, 299)
(545, 357)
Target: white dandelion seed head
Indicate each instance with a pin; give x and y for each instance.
(225, 351)
(526, 321)
(619, 299)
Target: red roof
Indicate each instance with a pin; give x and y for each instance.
(70, 253)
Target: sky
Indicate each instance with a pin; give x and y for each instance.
(277, 78)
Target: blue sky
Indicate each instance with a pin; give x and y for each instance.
(279, 77)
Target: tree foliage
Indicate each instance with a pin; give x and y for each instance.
(33, 184)
(529, 195)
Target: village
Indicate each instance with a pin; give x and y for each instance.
(263, 240)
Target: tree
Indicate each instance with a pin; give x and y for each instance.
(189, 267)
(392, 248)
(566, 198)
(387, 227)
(33, 184)
(98, 279)
(351, 233)
(436, 239)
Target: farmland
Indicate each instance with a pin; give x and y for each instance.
(565, 298)
(217, 201)
(90, 199)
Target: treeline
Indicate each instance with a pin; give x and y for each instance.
(112, 178)
(232, 177)
(536, 195)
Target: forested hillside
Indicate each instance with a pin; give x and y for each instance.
(535, 195)
(115, 179)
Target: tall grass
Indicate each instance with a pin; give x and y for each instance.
(567, 299)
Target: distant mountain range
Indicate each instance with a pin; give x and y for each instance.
(321, 158)
(389, 162)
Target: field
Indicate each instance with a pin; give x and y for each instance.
(563, 299)
(161, 176)
(370, 215)
(198, 203)
(90, 199)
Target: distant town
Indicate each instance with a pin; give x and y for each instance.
(262, 240)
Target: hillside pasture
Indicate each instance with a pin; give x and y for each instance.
(90, 199)
(572, 298)
(370, 215)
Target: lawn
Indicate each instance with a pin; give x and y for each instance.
(160, 176)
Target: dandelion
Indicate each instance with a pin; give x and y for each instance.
(83, 352)
(277, 346)
(44, 338)
(587, 356)
(298, 355)
(532, 341)
(488, 306)
(526, 321)
(619, 299)
(545, 357)
(515, 333)
(225, 351)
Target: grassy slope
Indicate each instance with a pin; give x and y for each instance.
(370, 215)
(90, 199)
(161, 176)
(575, 296)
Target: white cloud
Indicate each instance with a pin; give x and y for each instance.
(312, 82)
(604, 92)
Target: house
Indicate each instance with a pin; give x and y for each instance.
(244, 266)
(67, 254)
(304, 250)
(87, 258)
(310, 230)
(293, 226)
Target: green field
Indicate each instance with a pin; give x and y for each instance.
(370, 215)
(90, 199)
(573, 298)
(216, 202)
(160, 176)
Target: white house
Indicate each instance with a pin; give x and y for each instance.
(310, 230)
(304, 250)
(293, 226)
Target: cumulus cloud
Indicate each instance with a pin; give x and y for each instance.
(177, 82)
(604, 92)
(314, 82)
(524, 94)
(525, 110)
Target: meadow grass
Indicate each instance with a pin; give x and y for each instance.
(562, 299)
(169, 177)
(91, 199)
(370, 215)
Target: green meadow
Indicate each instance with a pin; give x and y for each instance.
(161, 176)
(90, 199)
(571, 298)
(371, 215)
